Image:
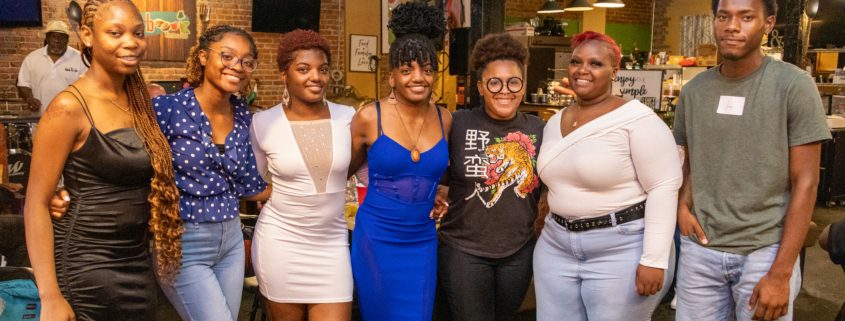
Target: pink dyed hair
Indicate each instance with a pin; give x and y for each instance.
(587, 36)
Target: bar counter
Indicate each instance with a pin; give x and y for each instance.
(544, 111)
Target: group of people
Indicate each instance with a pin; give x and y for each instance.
(171, 170)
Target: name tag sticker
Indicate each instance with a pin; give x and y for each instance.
(731, 105)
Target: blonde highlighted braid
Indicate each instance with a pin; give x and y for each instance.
(165, 223)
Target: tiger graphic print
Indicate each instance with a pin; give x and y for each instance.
(510, 162)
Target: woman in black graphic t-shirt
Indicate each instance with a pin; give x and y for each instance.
(487, 239)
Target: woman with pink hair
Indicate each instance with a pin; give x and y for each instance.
(613, 173)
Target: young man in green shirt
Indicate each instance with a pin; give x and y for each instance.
(752, 128)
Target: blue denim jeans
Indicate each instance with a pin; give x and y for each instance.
(715, 285)
(209, 285)
(591, 275)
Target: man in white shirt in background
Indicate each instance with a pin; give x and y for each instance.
(50, 69)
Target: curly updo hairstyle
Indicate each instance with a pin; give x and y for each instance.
(300, 39)
(195, 70)
(419, 31)
(498, 46)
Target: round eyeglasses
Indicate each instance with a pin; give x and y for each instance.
(495, 84)
(230, 61)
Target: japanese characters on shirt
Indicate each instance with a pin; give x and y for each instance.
(506, 162)
(475, 164)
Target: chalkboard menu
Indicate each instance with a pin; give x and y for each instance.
(643, 85)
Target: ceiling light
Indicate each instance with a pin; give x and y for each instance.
(609, 4)
(550, 7)
(579, 5)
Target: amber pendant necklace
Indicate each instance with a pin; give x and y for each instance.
(415, 153)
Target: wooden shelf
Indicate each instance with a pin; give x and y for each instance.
(663, 67)
(826, 50)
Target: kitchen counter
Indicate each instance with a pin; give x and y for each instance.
(831, 89)
(544, 111)
(836, 122)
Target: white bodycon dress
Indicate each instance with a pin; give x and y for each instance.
(300, 248)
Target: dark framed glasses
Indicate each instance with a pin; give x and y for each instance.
(495, 84)
(230, 61)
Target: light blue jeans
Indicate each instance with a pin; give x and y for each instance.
(591, 275)
(715, 285)
(209, 285)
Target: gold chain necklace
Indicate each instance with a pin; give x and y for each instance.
(125, 110)
(415, 153)
(575, 116)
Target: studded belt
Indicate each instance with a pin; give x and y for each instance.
(632, 213)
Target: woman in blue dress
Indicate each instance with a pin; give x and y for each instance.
(403, 139)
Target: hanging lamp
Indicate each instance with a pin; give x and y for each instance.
(609, 4)
(550, 7)
(579, 5)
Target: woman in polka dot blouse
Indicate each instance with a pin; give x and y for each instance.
(208, 131)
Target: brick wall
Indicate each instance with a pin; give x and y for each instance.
(16, 43)
(668, 20)
(661, 25)
(635, 12)
(528, 9)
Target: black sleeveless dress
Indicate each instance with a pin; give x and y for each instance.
(102, 252)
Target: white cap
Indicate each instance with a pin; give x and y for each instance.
(56, 26)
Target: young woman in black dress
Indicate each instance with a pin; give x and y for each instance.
(101, 136)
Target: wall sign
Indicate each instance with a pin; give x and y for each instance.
(360, 49)
(387, 35)
(172, 25)
(170, 28)
(643, 85)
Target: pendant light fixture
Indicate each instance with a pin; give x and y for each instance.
(550, 7)
(812, 8)
(579, 5)
(609, 4)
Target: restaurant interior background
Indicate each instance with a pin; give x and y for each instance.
(664, 43)
(644, 26)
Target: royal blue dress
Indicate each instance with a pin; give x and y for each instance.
(394, 245)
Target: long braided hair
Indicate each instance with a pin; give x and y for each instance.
(165, 223)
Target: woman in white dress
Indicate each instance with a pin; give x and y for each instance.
(300, 246)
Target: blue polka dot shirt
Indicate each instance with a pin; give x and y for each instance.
(210, 183)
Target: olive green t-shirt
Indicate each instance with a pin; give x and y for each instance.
(738, 133)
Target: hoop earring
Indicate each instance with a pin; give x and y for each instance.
(285, 97)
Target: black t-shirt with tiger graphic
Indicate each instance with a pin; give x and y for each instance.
(493, 183)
